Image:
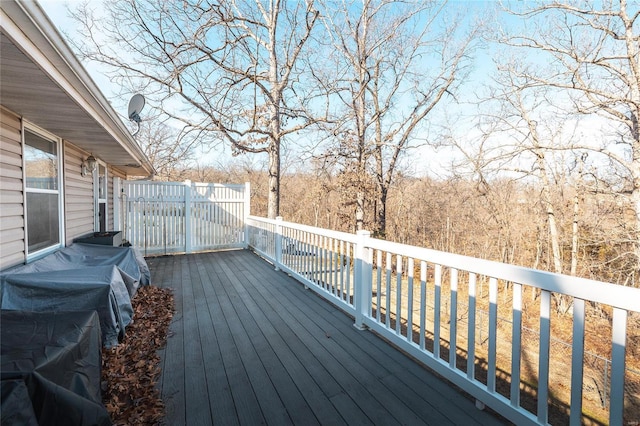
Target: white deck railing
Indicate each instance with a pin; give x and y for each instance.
(426, 302)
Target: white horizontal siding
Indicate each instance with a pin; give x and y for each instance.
(78, 193)
(11, 196)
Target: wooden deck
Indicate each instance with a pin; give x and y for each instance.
(251, 346)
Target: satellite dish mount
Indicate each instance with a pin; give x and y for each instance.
(136, 104)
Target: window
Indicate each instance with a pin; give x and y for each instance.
(42, 189)
(101, 201)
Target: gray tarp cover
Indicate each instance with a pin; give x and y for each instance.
(99, 288)
(79, 277)
(131, 264)
(50, 367)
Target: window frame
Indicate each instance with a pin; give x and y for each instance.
(39, 132)
(100, 185)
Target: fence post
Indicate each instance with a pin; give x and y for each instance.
(362, 280)
(278, 254)
(247, 213)
(187, 216)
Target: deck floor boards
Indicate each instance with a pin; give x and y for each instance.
(249, 345)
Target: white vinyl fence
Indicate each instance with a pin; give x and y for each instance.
(448, 311)
(184, 217)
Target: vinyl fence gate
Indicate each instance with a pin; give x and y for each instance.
(184, 217)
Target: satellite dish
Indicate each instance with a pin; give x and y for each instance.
(135, 107)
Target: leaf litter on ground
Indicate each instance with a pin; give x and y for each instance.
(130, 370)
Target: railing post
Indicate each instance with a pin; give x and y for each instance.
(362, 280)
(278, 255)
(187, 216)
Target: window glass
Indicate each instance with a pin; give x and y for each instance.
(102, 181)
(41, 162)
(42, 185)
(42, 219)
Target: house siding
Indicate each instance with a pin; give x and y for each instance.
(12, 243)
(78, 192)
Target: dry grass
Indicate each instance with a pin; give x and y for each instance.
(597, 342)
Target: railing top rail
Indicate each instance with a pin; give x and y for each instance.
(345, 236)
(597, 291)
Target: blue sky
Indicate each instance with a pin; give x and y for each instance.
(427, 159)
(468, 10)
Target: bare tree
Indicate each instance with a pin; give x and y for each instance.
(170, 151)
(591, 51)
(522, 136)
(227, 70)
(400, 60)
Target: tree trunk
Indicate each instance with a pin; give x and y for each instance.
(635, 176)
(273, 209)
(551, 217)
(382, 212)
(360, 210)
(635, 202)
(574, 233)
(576, 215)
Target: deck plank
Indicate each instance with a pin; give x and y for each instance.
(392, 367)
(356, 353)
(221, 403)
(196, 392)
(250, 346)
(347, 370)
(240, 386)
(173, 373)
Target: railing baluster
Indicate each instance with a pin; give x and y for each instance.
(309, 256)
(543, 357)
(378, 283)
(516, 344)
(398, 294)
(423, 303)
(325, 256)
(304, 259)
(436, 311)
(453, 317)
(493, 334)
(321, 274)
(410, 300)
(577, 362)
(388, 295)
(335, 267)
(349, 255)
(342, 268)
(327, 265)
(331, 268)
(316, 258)
(471, 329)
(618, 351)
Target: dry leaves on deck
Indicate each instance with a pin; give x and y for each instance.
(130, 371)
